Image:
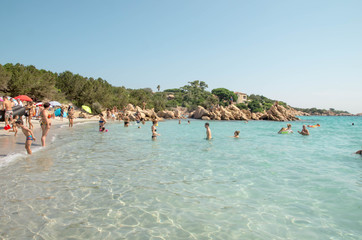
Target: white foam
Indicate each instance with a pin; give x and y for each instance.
(82, 123)
(5, 161)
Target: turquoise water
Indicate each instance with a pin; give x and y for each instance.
(123, 185)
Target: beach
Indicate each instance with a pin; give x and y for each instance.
(11, 144)
(121, 184)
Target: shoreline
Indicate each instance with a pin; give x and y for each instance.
(15, 145)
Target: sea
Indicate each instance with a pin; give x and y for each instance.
(121, 184)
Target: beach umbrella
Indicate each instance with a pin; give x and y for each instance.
(87, 109)
(55, 103)
(24, 98)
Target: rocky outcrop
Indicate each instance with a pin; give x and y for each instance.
(231, 112)
(166, 114)
(278, 113)
(200, 112)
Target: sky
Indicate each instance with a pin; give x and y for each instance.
(305, 53)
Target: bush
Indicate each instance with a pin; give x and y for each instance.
(255, 106)
(96, 108)
(242, 106)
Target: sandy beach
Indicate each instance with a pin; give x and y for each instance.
(11, 144)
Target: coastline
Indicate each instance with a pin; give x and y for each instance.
(15, 145)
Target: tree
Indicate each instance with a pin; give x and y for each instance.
(158, 87)
(5, 76)
(224, 94)
(255, 106)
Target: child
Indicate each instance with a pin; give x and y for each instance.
(28, 134)
(13, 124)
(102, 121)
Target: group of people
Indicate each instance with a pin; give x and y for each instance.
(45, 122)
(288, 130)
(17, 121)
(24, 121)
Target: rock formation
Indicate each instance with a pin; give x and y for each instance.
(231, 112)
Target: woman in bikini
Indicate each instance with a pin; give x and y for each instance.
(45, 123)
(154, 130)
(30, 113)
(71, 116)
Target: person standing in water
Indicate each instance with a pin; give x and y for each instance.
(30, 113)
(28, 134)
(45, 123)
(71, 116)
(208, 131)
(154, 130)
(102, 121)
(304, 131)
(8, 107)
(126, 120)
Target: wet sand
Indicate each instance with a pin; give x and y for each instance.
(10, 144)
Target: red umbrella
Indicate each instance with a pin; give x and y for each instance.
(24, 98)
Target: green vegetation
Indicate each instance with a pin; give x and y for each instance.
(224, 95)
(98, 93)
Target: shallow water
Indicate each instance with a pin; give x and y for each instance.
(123, 185)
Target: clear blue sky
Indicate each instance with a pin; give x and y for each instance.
(307, 53)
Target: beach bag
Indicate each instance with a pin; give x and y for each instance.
(7, 127)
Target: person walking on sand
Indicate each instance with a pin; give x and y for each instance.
(208, 131)
(71, 116)
(304, 131)
(29, 114)
(45, 122)
(8, 107)
(154, 130)
(28, 134)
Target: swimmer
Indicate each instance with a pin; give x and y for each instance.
(28, 134)
(208, 131)
(359, 152)
(188, 121)
(304, 131)
(179, 121)
(154, 130)
(288, 129)
(236, 134)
